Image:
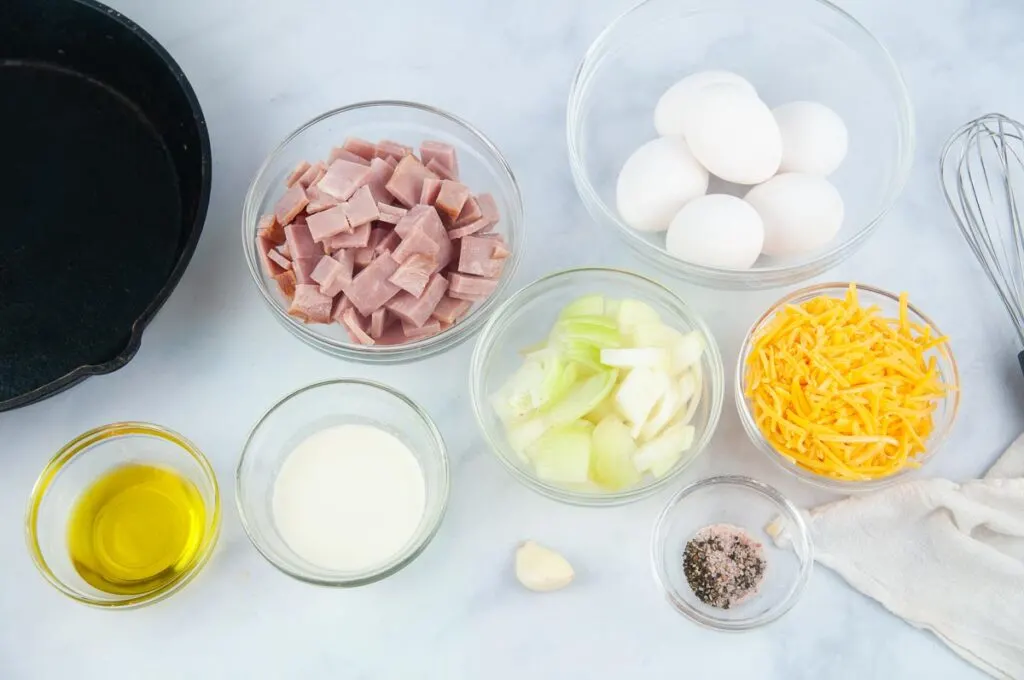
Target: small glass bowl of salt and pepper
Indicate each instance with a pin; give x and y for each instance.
(731, 553)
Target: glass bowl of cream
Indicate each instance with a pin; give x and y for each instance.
(342, 483)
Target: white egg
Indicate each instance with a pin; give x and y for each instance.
(734, 135)
(801, 212)
(656, 181)
(716, 230)
(673, 107)
(814, 138)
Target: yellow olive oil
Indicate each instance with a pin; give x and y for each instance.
(136, 529)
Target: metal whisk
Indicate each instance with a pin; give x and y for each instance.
(982, 171)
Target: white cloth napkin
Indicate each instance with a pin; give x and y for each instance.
(945, 557)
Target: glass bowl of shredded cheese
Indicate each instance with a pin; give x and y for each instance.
(847, 386)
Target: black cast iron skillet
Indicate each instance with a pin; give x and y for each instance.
(104, 185)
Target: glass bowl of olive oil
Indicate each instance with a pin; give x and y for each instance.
(124, 515)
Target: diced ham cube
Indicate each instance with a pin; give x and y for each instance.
(470, 213)
(269, 228)
(417, 242)
(469, 229)
(270, 266)
(430, 327)
(475, 257)
(356, 327)
(341, 303)
(450, 310)
(377, 235)
(389, 149)
(443, 154)
(392, 161)
(431, 187)
(413, 274)
(451, 198)
(382, 240)
(380, 173)
(325, 270)
(346, 155)
(467, 287)
(343, 178)
(346, 258)
(310, 305)
(364, 256)
(313, 174)
(489, 208)
(298, 172)
(389, 243)
(361, 208)
(283, 249)
(360, 147)
(319, 175)
(331, 276)
(393, 336)
(286, 282)
(370, 288)
(319, 201)
(413, 219)
(331, 222)
(425, 217)
(435, 230)
(357, 238)
(300, 241)
(417, 309)
(378, 322)
(406, 183)
(390, 213)
(290, 204)
(438, 169)
(303, 268)
(283, 262)
(501, 251)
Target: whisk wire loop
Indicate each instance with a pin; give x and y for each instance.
(982, 171)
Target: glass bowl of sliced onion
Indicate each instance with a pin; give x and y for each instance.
(596, 386)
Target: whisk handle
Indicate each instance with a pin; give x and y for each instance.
(1020, 360)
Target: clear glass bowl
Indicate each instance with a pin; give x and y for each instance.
(752, 506)
(309, 410)
(76, 467)
(889, 305)
(481, 167)
(790, 50)
(528, 316)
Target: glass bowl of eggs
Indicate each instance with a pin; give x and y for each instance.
(759, 144)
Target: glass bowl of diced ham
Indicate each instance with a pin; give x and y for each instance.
(383, 231)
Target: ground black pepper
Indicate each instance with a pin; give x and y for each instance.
(723, 565)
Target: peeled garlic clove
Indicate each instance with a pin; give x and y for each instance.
(542, 569)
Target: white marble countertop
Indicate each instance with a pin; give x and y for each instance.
(457, 611)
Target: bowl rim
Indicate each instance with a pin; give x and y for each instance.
(833, 288)
(496, 442)
(759, 277)
(794, 520)
(401, 559)
(80, 446)
(417, 349)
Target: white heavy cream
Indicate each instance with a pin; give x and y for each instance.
(349, 498)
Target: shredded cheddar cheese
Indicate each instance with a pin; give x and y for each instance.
(841, 390)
